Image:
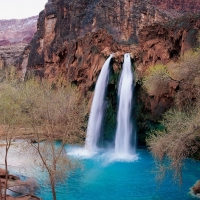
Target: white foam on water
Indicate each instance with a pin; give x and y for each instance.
(105, 156)
(80, 152)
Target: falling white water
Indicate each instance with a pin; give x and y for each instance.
(97, 109)
(124, 126)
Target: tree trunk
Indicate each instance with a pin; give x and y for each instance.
(0, 191)
(53, 191)
(53, 188)
(6, 181)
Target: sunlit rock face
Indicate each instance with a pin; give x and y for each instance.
(180, 5)
(15, 34)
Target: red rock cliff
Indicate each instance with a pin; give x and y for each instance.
(180, 5)
(74, 38)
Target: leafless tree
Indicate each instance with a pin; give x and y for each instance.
(179, 140)
(8, 120)
(53, 115)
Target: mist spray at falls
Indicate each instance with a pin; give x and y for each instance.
(98, 108)
(124, 126)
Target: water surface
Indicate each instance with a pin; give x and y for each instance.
(103, 178)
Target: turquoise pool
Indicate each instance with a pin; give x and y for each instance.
(103, 179)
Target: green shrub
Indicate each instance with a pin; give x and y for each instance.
(156, 80)
(187, 67)
(187, 73)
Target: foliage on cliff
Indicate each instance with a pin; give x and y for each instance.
(156, 81)
(184, 72)
(180, 137)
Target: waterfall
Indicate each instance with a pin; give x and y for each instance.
(98, 108)
(124, 126)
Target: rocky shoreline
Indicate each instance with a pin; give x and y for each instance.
(13, 182)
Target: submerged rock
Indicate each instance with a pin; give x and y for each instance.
(196, 188)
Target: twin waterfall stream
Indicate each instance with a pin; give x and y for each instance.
(124, 134)
(98, 108)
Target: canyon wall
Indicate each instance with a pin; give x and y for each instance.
(179, 5)
(74, 38)
(17, 31)
(15, 35)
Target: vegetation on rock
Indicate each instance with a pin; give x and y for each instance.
(180, 137)
(156, 80)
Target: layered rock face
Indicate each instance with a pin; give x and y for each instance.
(74, 38)
(17, 31)
(162, 43)
(15, 34)
(180, 5)
(10, 53)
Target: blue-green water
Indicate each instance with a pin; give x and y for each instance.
(100, 179)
